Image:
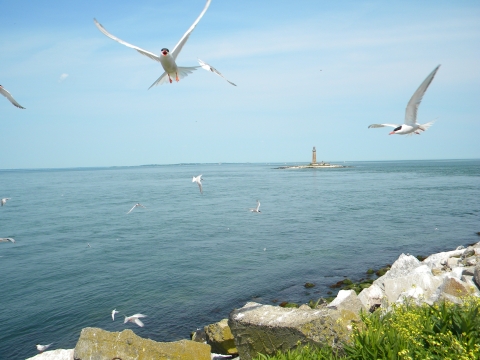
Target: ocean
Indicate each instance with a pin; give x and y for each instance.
(187, 259)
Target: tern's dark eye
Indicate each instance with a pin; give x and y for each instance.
(165, 49)
(398, 128)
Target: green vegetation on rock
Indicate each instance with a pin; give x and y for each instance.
(442, 331)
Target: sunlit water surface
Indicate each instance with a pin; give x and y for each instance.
(188, 259)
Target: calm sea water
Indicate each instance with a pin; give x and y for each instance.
(188, 259)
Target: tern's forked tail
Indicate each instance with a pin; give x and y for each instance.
(426, 125)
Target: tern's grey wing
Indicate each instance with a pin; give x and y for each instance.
(373, 126)
(212, 69)
(134, 206)
(258, 205)
(5, 93)
(200, 187)
(140, 50)
(414, 103)
(185, 36)
(139, 322)
(138, 316)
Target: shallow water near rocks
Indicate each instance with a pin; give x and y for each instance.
(188, 259)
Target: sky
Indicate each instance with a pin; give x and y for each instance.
(309, 73)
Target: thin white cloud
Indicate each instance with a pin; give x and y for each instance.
(62, 77)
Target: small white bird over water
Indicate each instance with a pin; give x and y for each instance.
(114, 311)
(42, 348)
(134, 206)
(411, 127)
(197, 179)
(257, 208)
(5, 93)
(167, 59)
(135, 319)
(7, 240)
(210, 68)
(4, 200)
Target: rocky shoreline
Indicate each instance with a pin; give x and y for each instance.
(257, 328)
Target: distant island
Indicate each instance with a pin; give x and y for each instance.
(313, 164)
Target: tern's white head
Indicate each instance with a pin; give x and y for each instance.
(165, 51)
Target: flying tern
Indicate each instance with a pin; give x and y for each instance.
(114, 311)
(7, 240)
(4, 200)
(411, 127)
(134, 206)
(42, 348)
(197, 179)
(135, 319)
(208, 67)
(257, 208)
(5, 93)
(166, 59)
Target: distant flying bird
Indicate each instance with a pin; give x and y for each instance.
(197, 179)
(114, 311)
(134, 206)
(213, 70)
(4, 200)
(166, 58)
(42, 348)
(5, 93)
(257, 208)
(411, 127)
(7, 240)
(135, 319)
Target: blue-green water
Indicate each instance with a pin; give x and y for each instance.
(188, 259)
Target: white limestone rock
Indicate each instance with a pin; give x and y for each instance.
(347, 299)
(371, 296)
(439, 259)
(420, 277)
(58, 354)
(403, 266)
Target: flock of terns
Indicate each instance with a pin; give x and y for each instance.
(172, 71)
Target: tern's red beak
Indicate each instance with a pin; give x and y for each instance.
(393, 132)
(164, 53)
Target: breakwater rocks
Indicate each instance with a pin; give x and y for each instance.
(256, 328)
(313, 166)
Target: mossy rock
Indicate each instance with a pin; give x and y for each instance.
(347, 281)
(370, 271)
(382, 271)
(309, 285)
(287, 304)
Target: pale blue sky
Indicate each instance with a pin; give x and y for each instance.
(309, 73)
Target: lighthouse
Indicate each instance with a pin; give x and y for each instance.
(314, 156)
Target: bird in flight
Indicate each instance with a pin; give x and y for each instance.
(411, 127)
(4, 200)
(197, 179)
(210, 68)
(166, 59)
(42, 348)
(7, 240)
(135, 319)
(114, 311)
(257, 208)
(134, 206)
(5, 93)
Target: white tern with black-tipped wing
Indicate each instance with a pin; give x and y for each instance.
(167, 59)
(210, 68)
(197, 179)
(135, 319)
(134, 206)
(410, 126)
(9, 96)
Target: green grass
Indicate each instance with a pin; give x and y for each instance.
(442, 331)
